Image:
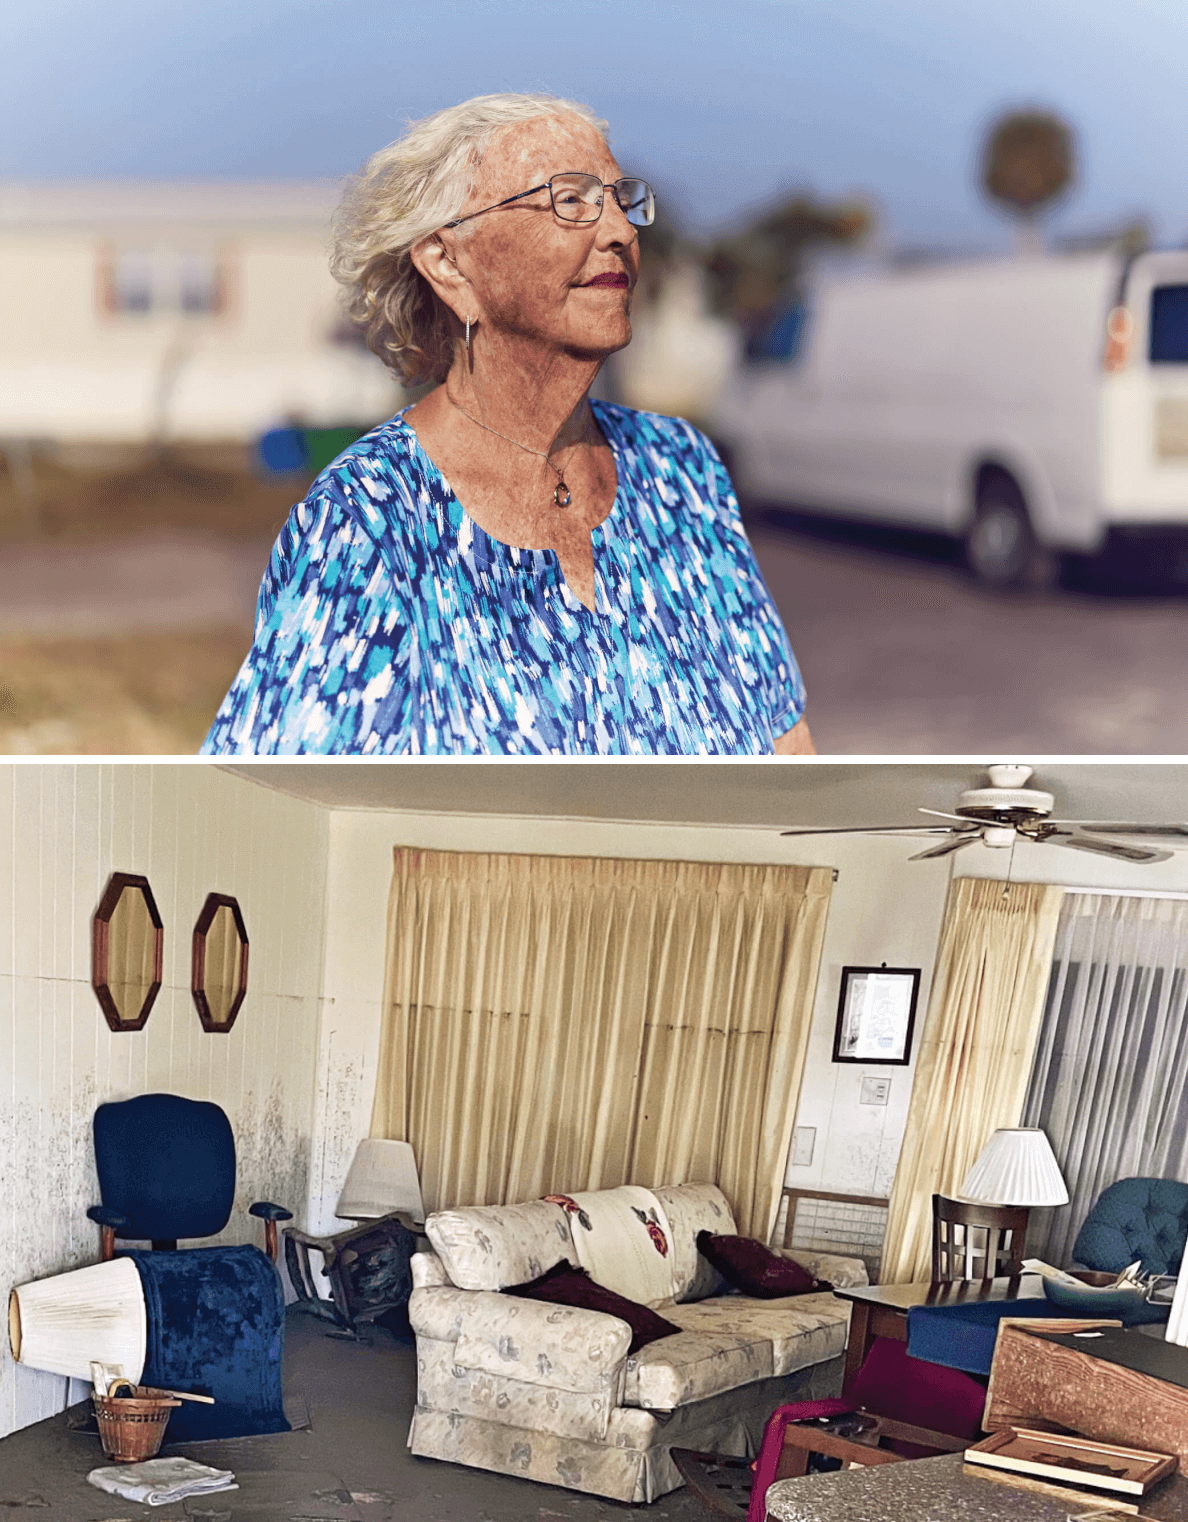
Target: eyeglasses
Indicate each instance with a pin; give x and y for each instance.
(578, 198)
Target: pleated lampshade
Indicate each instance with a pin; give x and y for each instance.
(63, 1323)
(1016, 1167)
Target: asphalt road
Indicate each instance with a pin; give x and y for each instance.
(903, 655)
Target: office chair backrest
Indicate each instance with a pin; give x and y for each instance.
(168, 1164)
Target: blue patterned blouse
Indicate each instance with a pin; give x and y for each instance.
(389, 623)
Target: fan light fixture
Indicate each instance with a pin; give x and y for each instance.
(1007, 810)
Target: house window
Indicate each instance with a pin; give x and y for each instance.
(162, 280)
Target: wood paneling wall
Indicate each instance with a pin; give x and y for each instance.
(189, 829)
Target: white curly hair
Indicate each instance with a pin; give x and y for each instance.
(403, 193)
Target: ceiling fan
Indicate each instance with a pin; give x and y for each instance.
(1008, 810)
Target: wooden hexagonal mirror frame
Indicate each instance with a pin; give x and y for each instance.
(127, 950)
(219, 963)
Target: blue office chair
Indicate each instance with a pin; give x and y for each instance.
(214, 1316)
(1136, 1218)
(167, 1172)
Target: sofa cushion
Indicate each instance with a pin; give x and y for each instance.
(691, 1208)
(754, 1269)
(490, 1246)
(565, 1285)
(622, 1237)
(802, 1330)
(693, 1365)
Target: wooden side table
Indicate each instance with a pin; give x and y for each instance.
(881, 1310)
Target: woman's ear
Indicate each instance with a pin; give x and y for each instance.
(434, 260)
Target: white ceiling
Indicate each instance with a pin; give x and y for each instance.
(737, 794)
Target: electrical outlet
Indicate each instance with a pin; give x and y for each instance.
(804, 1140)
(875, 1091)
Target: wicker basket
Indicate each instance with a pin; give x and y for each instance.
(131, 1427)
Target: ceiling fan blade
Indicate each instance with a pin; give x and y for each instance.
(876, 829)
(1113, 848)
(1172, 833)
(946, 847)
(972, 824)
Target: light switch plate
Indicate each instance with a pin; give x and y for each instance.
(803, 1141)
(875, 1091)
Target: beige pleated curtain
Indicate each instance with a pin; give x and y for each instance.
(557, 1023)
(984, 1015)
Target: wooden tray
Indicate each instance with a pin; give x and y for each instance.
(1073, 1460)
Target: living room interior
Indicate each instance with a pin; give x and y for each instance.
(312, 855)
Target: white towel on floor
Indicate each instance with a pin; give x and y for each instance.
(157, 1482)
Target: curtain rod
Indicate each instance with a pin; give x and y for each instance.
(1128, 892)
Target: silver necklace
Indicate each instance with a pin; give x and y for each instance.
(561, 492)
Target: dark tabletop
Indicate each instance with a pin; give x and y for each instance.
(961, 1292)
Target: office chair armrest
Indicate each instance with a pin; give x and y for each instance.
(270, 1214)
(103, 1215)
(109, 1222)
(267, 1211)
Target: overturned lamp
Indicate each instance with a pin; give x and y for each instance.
(96, 1313)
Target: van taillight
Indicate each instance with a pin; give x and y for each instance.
(1119, 329)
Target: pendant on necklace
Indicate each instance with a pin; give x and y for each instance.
(561, 494)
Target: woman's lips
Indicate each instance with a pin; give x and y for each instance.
(616, 279)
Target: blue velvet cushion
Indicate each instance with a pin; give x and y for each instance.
(168, 1164)
(215, 1327)
(1136, 1218)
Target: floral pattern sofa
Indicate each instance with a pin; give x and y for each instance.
(549, 1392)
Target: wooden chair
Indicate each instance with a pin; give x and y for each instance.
(976, 1241)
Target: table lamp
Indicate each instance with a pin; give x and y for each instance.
(1016, 1167)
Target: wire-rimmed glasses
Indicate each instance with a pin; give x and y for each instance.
(578, 198)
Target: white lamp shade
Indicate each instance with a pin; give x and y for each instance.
(383, 1177)
(1016, 1167)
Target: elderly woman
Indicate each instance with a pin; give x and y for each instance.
(508, 566)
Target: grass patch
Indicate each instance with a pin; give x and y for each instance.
(141, 694)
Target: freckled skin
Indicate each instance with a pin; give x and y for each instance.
(539, 335)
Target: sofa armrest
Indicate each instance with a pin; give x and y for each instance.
(427, 1269)
(841, 1272)
(558, 1346)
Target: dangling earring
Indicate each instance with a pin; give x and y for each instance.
(468, 330)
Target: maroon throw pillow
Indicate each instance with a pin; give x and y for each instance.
(563, 1284)
(755, 1269)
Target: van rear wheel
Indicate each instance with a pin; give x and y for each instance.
(1001, 549)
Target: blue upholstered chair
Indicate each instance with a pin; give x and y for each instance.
(167, 1172)
(1136, 1218)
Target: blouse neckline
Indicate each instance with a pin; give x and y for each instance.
(524, 557)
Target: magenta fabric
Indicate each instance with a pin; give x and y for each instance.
(754, 1269)
(773, 1444)
(563, 1284)
(889, 1383)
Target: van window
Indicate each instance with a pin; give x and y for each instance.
(1169, 325)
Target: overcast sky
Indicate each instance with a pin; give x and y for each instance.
(724, 104)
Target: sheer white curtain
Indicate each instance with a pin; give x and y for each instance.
(1108, 1084)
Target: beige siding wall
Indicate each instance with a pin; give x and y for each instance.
(189, 829)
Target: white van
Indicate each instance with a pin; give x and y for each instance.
(1029, 406)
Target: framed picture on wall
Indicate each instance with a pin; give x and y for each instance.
(876, 1011)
